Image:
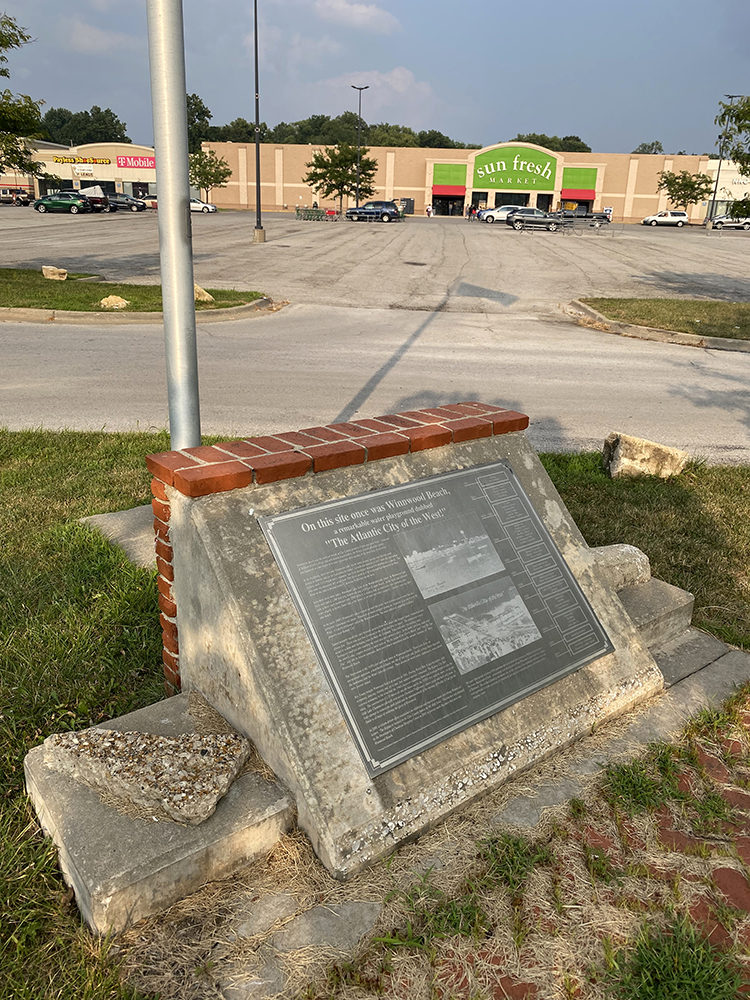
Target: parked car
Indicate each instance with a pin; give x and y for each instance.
(150, 200)
(14, 196)
(196, 205)
(386, 211)
(729, 222)
(124, 201)
(527, 218)
(497, 214)
(666, 219)
(97, 198)
(63, 201)
(595, 219)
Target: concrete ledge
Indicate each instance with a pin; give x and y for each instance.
(13, 315)
(124, 869)
(662, 336)
(132, 530)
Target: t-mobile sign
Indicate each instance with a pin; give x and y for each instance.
(136, 161)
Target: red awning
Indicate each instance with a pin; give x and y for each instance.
(578, 194)
(457, 190)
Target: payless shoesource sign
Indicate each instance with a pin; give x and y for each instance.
(511, 168)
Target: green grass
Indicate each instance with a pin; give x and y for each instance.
(80, 643)
(707, 319)
(695, 529)
(30, 290)
(674, 964)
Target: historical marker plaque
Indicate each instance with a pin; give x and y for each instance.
(433, 605)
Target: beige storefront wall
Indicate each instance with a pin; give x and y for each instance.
(120, 163)
(625, 183)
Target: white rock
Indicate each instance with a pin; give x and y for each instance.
(54, 273)
(624, 455)
(201, 295)
(114, 302)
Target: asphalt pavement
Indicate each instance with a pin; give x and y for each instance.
(388, 317)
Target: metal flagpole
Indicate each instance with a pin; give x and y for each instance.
(166, 47)
(259, 235)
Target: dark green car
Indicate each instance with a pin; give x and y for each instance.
(63, 201)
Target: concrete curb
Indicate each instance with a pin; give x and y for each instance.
(8, 314)
(662, 336)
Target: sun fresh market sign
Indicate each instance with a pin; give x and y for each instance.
(511, 168)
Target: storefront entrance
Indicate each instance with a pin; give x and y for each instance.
(447, 205)
(510, 198)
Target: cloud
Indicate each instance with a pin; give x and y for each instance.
(280, 52)
(367, 16)
(400, 86)
(85, 38)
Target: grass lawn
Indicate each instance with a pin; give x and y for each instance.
(30, 290)
(708, 319)
(80, 640)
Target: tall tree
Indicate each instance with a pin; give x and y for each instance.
(20, 115)
(208, 171)
(568, 144)
(198, 122)
(685, 189)
(385, 134)
(734, 120)
(333, 173)
(649, 148)
(74, 128)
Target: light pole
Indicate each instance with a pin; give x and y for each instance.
(712, 213)
(359, 131)
(259, 233)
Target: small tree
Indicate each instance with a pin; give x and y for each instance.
(333, 172)
(685, 189)
(208, 171)
(734, 120)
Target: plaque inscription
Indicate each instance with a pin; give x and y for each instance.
(433, 605)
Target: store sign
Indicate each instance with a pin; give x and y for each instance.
(137, 162)
(511, 168)
(83, 170)
(433, 605)
(81, 159)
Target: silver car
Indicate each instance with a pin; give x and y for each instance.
(729, 222)
(498, 214)
(671, 218)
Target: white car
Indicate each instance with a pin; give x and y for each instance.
(196, 205)
(498, 214)
(729, 222)
(666, 219)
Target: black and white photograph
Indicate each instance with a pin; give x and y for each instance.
(484, 624)
(450, 554)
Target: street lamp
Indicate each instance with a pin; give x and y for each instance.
(722, 137)
(259, 234)
(359, 132)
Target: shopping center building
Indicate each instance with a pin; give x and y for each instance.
(504, 174)
(508, 173)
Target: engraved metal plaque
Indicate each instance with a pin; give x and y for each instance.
(433, 605)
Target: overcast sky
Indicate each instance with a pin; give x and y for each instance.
(615, 72)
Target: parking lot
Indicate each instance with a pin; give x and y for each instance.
(425, 264)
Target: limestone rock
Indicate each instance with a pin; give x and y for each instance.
(182, 778)
(201, 295)
(114, 302)
(624, 455)
(258, 916)
(621, 565)
(54, 273)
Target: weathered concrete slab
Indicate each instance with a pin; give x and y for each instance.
(708, 686)
(624, 455)
(689, 652)
(132, 530)
(658, 610)
(123, 869)
(243, 646)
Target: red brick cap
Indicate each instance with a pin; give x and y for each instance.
(229, 465)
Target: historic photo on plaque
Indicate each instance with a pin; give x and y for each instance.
(433, 605)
